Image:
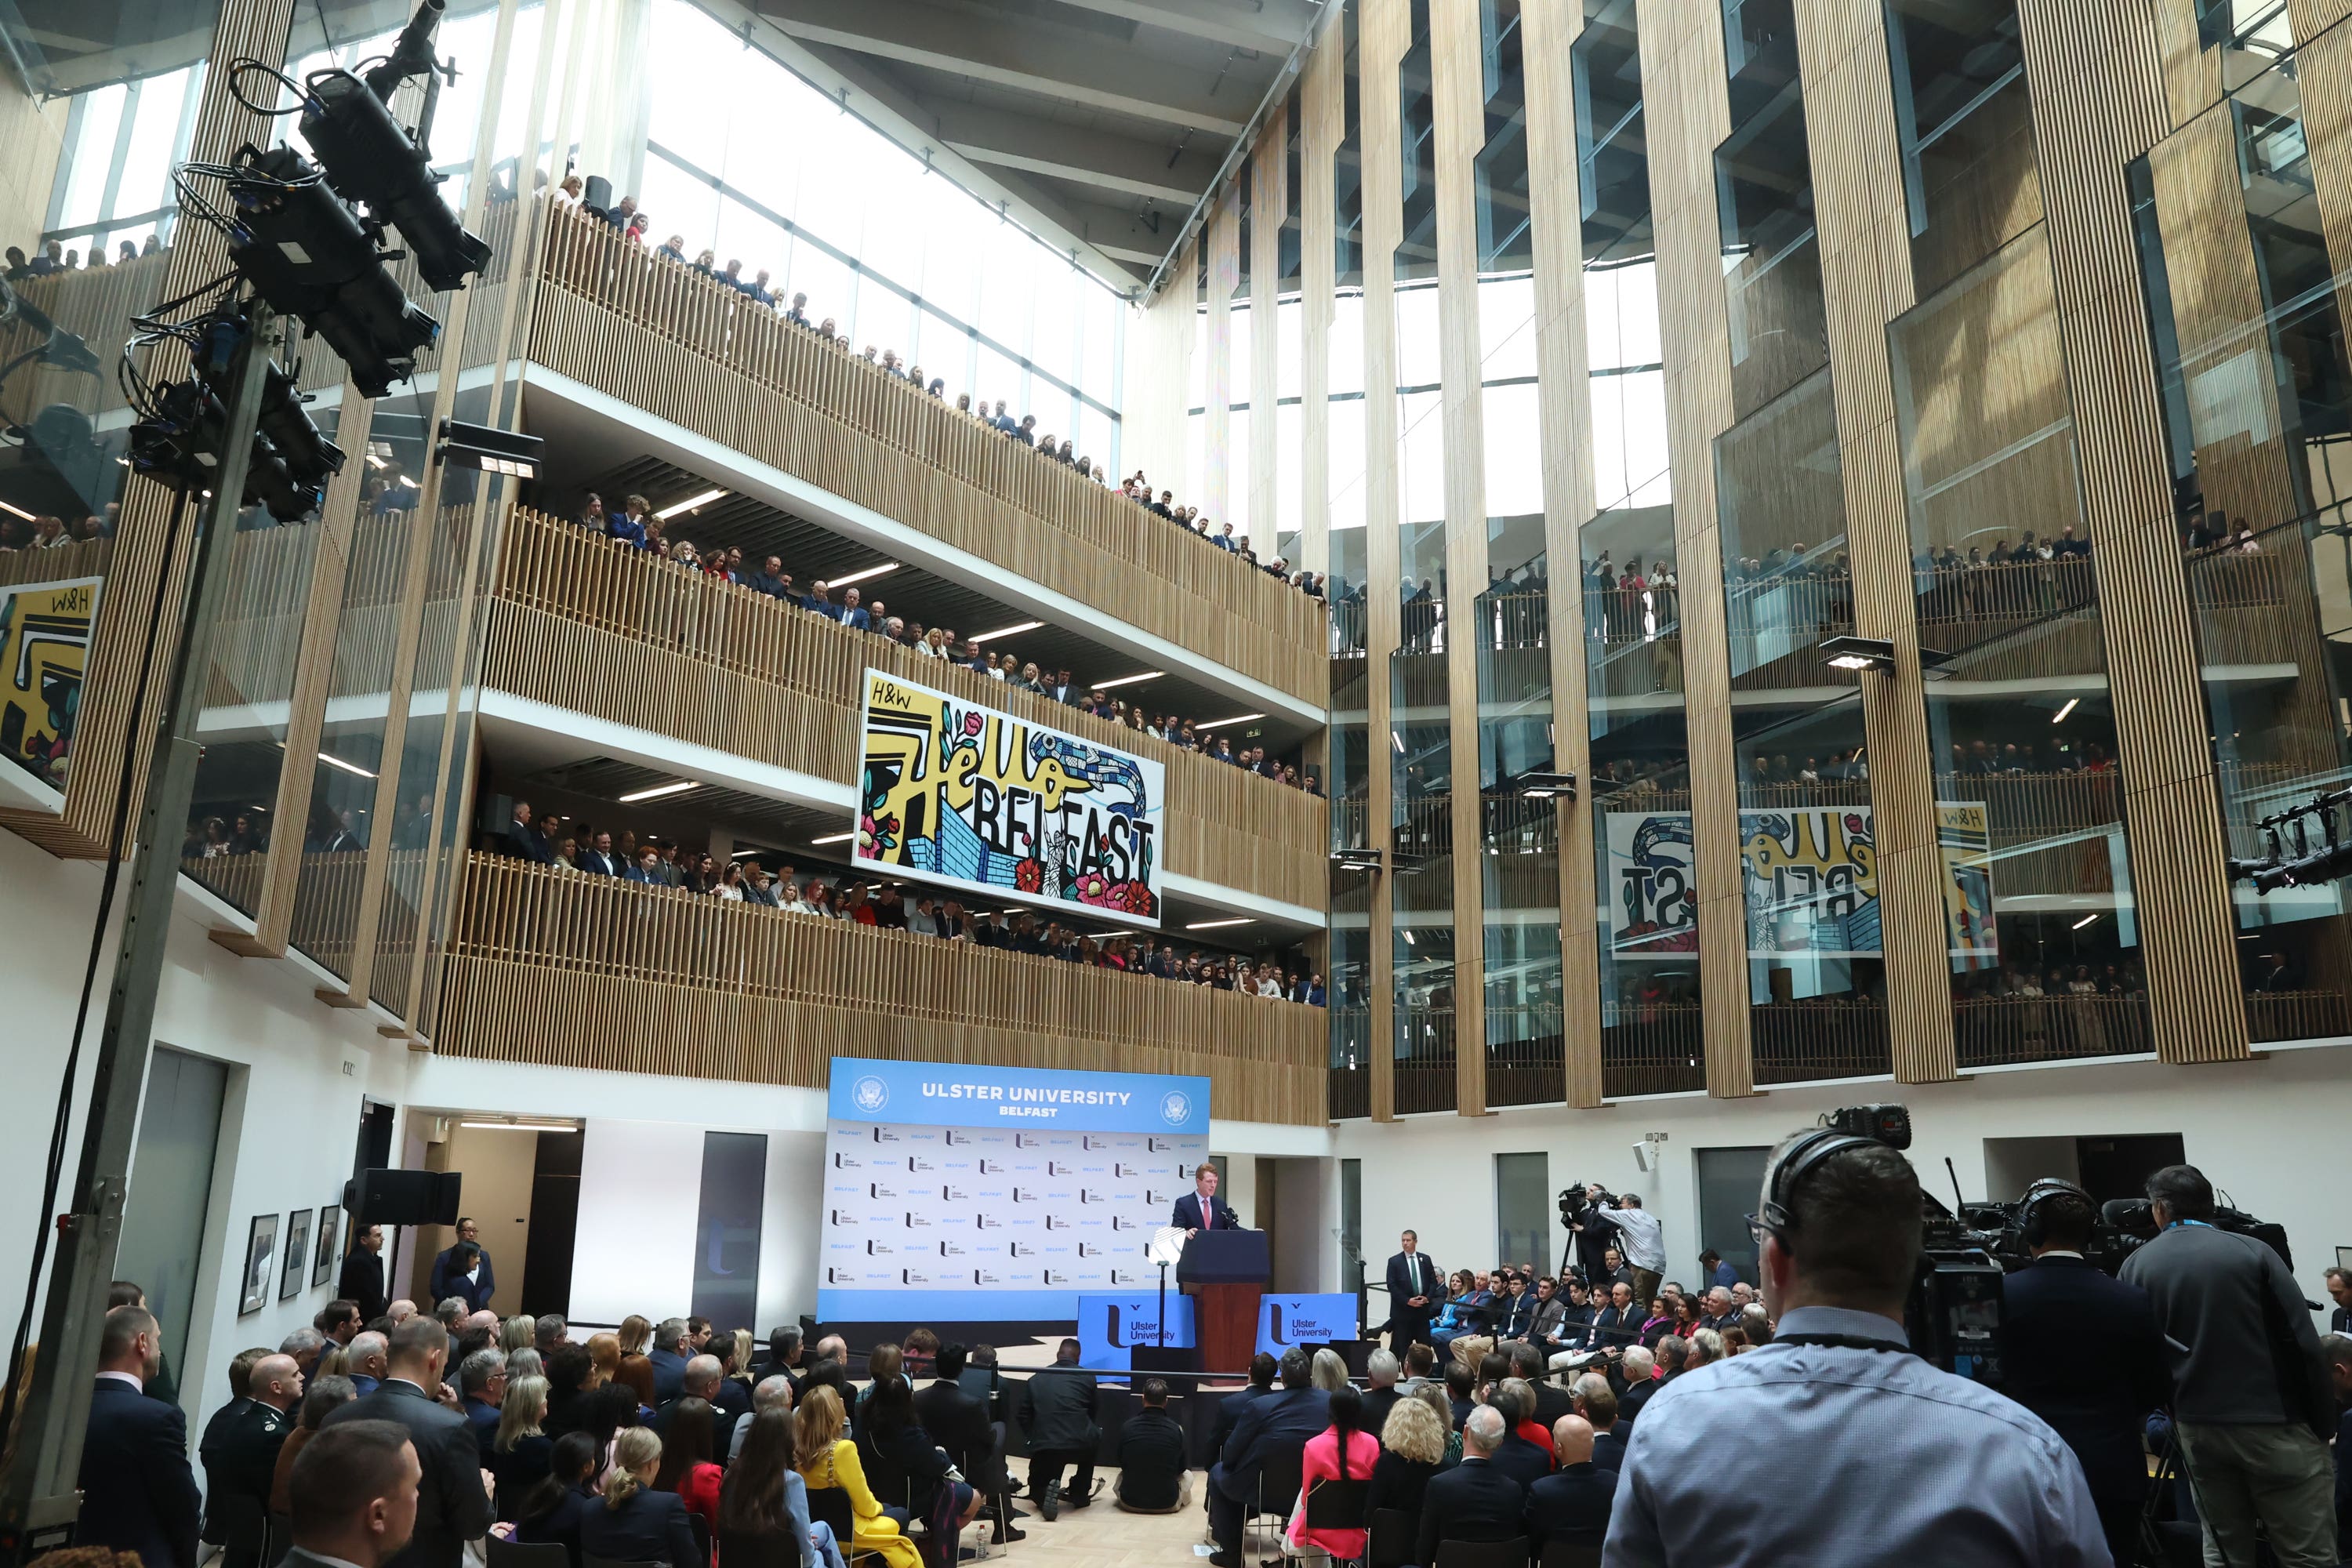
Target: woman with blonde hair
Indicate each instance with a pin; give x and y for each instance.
(1441, 1406)
(1412, 1448)
(826, 1458)
(635, 1332)
(639, 1524)
(518, 1332)
(523, 1454)
(1327, 1371)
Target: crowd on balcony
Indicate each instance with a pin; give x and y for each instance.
(597, 851)
(48, 532)
(1021, 429)
(53, 257)
(636, 525)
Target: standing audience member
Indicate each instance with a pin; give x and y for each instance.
(355, 1493)
(242, 1463)
(318, 1401)
(454, 1497)
(138, 1492)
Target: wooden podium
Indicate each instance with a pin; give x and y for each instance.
(1226, 1272)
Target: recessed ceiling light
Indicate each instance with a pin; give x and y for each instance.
(679, 788)
(1221, 723)
(1005, 631)
(862, 576)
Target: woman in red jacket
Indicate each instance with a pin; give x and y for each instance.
(686, 1466)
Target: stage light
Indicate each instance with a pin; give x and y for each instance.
(369, 159)
(305, 252)
(304, 461)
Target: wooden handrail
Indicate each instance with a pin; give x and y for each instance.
(593, 627)
(700, 353)
(556, 967)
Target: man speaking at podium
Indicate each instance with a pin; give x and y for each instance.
(1200, 1209)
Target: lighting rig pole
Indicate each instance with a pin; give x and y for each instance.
(39, 1498)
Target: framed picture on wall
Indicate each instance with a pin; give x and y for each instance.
(322, 1261)
(260, 1255)
(297, 1247)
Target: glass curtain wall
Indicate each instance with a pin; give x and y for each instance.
(1519, 814)
(1290, 347)
(2244, 299)
(1629, 609)
(1421, 730)
(1771, 259)
(1239, 358)
(2040, 928)
(1970, 183)
(1349, 734)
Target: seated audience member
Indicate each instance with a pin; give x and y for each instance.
(1380, 1370)
(1276, 1422)
(1262, 1369)
(1597, 1403)
(522, 1454)
(1342, 1451)
(688, 1467)
(354, 1496)
(1412, 1449)
(639, 1523)
(1640, 1385)
(1152, 1474)
(668, 1359)
(826, 1459)
(1461, 1391)
(900, 1459)
(1058, 1411)
(1571, 1504)
(326, 1395)
(959, 1424)
(1525, 1453)
(481, 1387)
(1551, 1400)
(1474, 1500)
(763, 1498)
(551, 1514)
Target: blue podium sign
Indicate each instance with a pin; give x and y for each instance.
(1286, 1320)
(1111, 1326)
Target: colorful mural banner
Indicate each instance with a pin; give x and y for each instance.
(45, 631)
(974, 798)
(1811, 880)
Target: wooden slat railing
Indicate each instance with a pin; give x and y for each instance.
(586, 625)
(702, 355)
(1651, 1049)
(1993, 1031)
(551, 966)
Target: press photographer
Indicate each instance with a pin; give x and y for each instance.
(2251, 1400)
(2093, 1388)
(1605, 1219)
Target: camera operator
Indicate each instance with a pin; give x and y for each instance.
(2082, 1351)
(1837, 1409)
(1594, 1231)
(2250, 1400)
(1636, 1234)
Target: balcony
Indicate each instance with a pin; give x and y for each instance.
(561, 969)
(584, 627)
(706, 358)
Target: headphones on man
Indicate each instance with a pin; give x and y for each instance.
(1796, 1162)
(2033, 1230)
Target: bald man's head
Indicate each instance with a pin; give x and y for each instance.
(276, 1381)
(1571, 1440)
(702, 1375)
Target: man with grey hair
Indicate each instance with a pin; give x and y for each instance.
(1382, 1369)
(363, 1360)
(1718, 1312)
(774, 1393)
(481, 1388)
(1639, 1364)
(1706, 1349)
(700, 1380)
(1474, 1500)
(303, 1345)
(669, 1354)
(551, 1332)
(1597, 1403)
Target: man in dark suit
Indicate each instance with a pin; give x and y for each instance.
(1202, 1209)
(598, 857)
(1276, 1423)
(355, 1491)
(1637, 1366)
(1597, 1403)
(2084, 1353)
(1262, 1370)
(463, 1269)
(362, 1280)
(1381, 1370)
(481, 1385)
(1518, 1456)
(700, 1380)
(138, 1493)
(1473, 1501)
(1573, 1504)
(668, 1358)
(453, 1496)
(1414, 1286)
(242, 1458)
(1057, 1411)
(523, 841)
(959, 1424)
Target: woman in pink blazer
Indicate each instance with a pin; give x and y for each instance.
(1342, 1451)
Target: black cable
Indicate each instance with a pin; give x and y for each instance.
(240, 67)
(63, 1121)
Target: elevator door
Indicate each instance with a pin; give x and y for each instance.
(171, 1183)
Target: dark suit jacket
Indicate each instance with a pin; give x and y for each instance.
(1552, 1402)
(559, 1526)
(446, 1283)
(959, 1423)
(138, 1493)
(1522, 1460)
(1403, 1287)
(1472, 1501)
(361, 1281)
(1058, 1412)
(648, 1527)
(1188, 1214)
(1229, 1413)
(241, 1460)
(1286, 1418)
(2082, 1351)
(669, 1374)
(1378, 1402)
(1609, 1448)
(1630, 1404)
(722, 1424)
(599, 865)
(451, 1508)
(525, 844)
(1573, 1503)
(483, 1420)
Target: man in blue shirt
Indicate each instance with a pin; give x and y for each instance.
(1837, 1410)
(1716, 1271)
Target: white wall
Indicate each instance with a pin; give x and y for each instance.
(2263, 1131)
(289, 1118)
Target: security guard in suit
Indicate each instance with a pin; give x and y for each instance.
(243, 1459)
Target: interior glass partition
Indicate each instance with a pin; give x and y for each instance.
(1962, 116)
(1771, 257)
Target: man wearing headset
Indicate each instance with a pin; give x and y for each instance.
(2081, 1351)
(1855, 1451)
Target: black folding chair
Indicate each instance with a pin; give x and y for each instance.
(1335, 1504)
(1571, 1551)
(830, 1506)
(701, 1528)
(1279, 1480)
(765, 1548)
(279, 1540)
(1511, 1553)
(1395, 1536)
(515, 1554)
(590, 1560)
